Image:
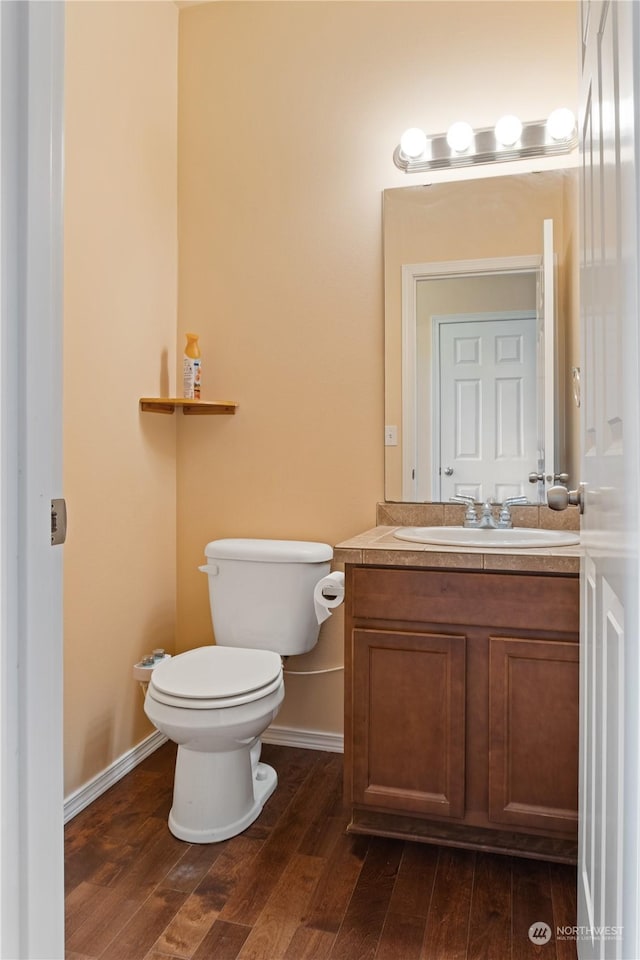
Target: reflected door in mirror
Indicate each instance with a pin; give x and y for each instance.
(486, 406)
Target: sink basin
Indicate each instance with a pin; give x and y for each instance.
(519, 537)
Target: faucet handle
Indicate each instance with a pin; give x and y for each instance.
(511, 501)
(505, 514)
(470, 517)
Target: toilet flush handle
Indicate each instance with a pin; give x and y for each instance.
(211, 568)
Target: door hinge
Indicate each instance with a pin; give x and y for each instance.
(58, 521)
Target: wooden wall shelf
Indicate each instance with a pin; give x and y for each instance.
(188, 407)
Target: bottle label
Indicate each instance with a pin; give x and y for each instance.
(191, 378)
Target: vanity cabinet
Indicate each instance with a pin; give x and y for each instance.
(461, 722)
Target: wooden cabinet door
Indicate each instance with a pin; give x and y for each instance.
(533, 719)
(409, 721)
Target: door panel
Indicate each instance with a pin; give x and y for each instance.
(487, 404)
(611, 783)
(588, 778)
(609, 861)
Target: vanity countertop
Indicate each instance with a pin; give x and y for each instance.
(379, 547)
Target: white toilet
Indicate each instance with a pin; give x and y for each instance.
(215, 702)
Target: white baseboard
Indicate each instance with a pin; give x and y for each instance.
(283, 736)
(86, 794)
(309, 739)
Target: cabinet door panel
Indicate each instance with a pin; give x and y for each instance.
(533, 718)
(409, 721)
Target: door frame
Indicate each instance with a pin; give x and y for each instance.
(31, 251)
(412, 274)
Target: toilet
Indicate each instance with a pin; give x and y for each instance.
(216, 701)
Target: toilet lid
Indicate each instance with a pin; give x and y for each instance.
(209, 673)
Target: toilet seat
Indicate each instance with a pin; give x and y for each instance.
(215, 677)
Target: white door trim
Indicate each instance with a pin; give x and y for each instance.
(551, 373)
(31, 800)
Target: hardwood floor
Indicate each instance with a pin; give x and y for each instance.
(294, 886)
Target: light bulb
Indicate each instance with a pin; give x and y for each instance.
(460, 136)
(413, 143)
(508, 130)
(561, 124)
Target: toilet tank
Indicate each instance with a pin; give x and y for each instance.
(261, 592)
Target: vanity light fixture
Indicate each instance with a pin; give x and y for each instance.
(510, 139)
(460, 136)
(413, 143)
(508, 130)
(561, 124)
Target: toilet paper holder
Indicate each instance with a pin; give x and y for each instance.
(328, 594)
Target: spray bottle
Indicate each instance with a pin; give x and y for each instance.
(191, 368)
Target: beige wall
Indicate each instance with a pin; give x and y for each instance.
(119, 344)
(289, 115)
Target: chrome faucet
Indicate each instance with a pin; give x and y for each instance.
(487, 521)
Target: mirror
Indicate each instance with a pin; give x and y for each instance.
(471, 324)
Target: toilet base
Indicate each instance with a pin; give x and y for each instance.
(204, 813)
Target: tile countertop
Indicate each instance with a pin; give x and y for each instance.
(379, 547)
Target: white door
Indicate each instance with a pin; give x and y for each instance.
(609, 862)
(487, 404)
(31, 801)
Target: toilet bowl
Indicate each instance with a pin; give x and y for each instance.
(216, 701)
